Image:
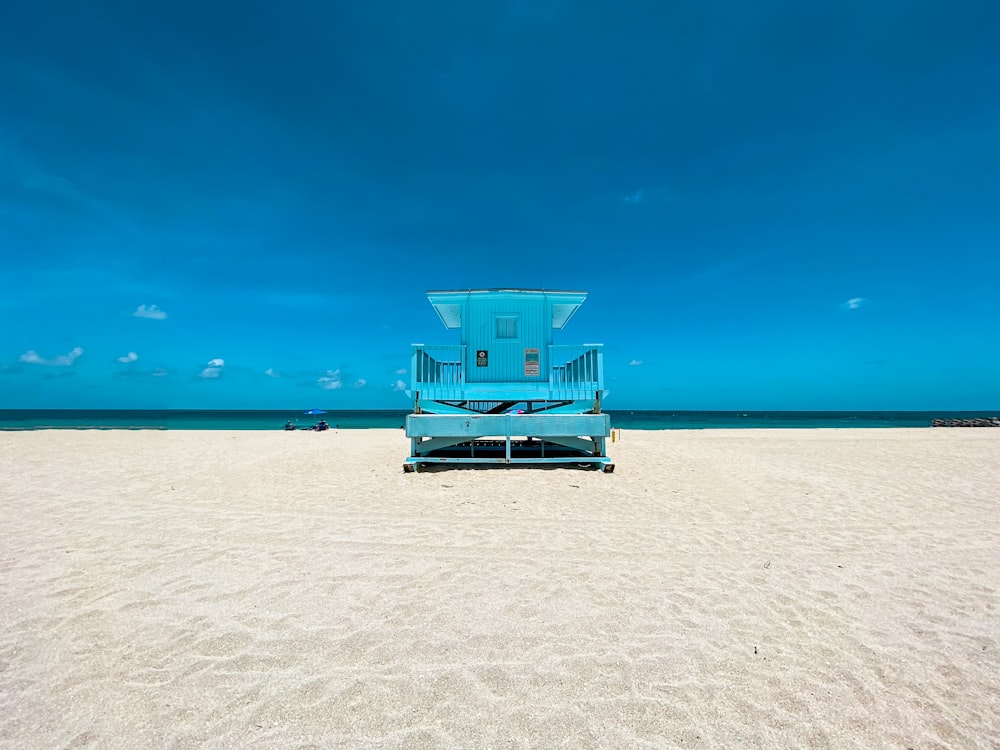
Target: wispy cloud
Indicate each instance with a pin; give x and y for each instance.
(52, 184)
(854, 303)
(149, 311)
(635, 362)
(130, 357)
(214, 368)
(401, 371)
(725, 268)
(32, 357)
(137, 373)
(334, 380)
(645, 196)
(271, 373)
(331, 381)
(399, 385)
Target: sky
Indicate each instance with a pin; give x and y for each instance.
(241, 205)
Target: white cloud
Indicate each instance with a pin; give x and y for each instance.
(130, 357)
(271, 373)
(159, 372)
(331, 381)
(854, 303)
(401, 371)
(214, 368)
(635, 362)
(399, 385)
(31, 357)
(149, 311)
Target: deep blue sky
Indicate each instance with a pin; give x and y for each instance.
(773, 205)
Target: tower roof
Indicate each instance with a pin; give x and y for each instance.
(448, 304)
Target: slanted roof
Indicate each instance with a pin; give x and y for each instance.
(448, 304)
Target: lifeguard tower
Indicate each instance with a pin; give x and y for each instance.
(506, 394)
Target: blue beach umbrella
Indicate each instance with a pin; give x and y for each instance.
(314, 411)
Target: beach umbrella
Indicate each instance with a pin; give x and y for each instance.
(314, 411)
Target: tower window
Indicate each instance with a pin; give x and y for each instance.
(506, 326)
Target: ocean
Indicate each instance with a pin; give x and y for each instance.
(34, 419)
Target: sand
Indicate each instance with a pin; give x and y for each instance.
(800, 588)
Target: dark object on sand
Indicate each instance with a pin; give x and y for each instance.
(976, 422)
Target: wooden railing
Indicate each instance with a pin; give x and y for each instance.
(576, 372)
(438, 371)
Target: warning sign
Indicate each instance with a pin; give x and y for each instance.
(482, 358)
(532, 368)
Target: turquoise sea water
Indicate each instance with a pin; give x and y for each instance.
(14, 419)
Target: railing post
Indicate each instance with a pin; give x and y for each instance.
(600, 367)
(414, 379)
(552, 372)
(461, 371)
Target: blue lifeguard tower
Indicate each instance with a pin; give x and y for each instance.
(506, 394)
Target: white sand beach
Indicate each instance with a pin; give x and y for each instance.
(771, 589)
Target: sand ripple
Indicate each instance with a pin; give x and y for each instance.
(822, 588)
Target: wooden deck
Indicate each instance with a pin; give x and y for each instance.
(508, 439)
(566, 373)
